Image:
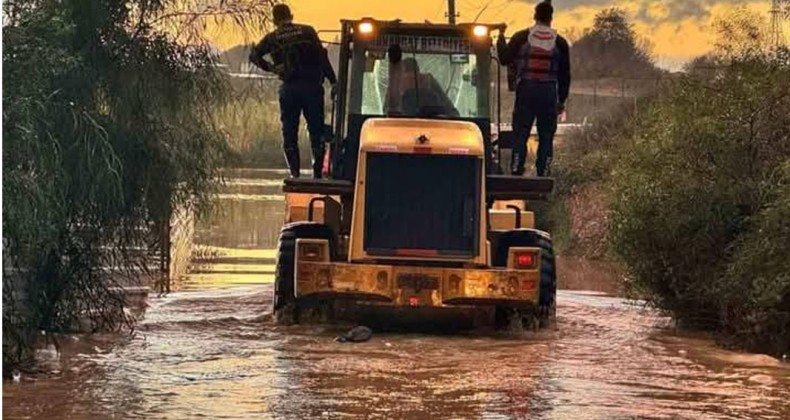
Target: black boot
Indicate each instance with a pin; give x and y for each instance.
(518, 162)
(292, 159)
(318, 162)
(543, 169)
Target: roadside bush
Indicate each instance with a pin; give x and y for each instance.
(694, 191)
(755, 289)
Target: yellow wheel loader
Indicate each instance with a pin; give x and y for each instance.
(415, 212)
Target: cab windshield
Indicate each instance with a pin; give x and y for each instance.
(440, 84)
(422, 79)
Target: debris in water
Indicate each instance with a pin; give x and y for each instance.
(682, 352)
(16, 375)
(356, 335)
(388, 344)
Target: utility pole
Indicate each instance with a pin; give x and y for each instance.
(451, 11)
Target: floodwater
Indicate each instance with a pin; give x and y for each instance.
(210, 350)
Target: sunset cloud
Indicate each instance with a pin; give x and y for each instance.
(653, 10)
(679, 30)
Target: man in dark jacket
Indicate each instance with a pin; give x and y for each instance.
(302, 64)
(541, 61)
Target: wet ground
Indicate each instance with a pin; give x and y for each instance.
(210, 350)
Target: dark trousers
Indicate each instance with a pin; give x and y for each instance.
(297, 99)
(534, 101)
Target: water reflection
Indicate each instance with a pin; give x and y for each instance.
(210, 350)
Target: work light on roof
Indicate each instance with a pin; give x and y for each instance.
(365, 27)
(480, 31)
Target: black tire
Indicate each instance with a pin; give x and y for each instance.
(284, 303)
(545, 311)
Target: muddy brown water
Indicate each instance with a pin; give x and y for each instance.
(210, 350)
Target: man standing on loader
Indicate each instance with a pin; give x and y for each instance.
(302, 63)
(541, 59)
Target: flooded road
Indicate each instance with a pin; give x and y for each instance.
(210, 350)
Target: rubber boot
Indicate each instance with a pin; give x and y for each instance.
(518, 162)
(318, 162)
(543, 170)
(292, 159)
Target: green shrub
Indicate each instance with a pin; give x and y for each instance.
(691, 190)
(755, 289)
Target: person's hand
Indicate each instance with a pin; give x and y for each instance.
(560, 108)
(501, 41)
(279, 69)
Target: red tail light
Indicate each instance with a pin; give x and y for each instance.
(526, 260)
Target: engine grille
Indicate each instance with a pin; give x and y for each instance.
(428, 203)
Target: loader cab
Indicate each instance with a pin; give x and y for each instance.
(393, 69)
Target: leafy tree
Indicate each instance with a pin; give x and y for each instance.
(611, 48)
(107, 125)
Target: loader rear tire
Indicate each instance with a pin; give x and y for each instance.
(285, 307)
(544, 313)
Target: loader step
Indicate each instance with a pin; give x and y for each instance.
(511, 187)
(318, 186)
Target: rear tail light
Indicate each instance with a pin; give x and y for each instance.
(527, 260)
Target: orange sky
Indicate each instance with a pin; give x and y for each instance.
(678, 29)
